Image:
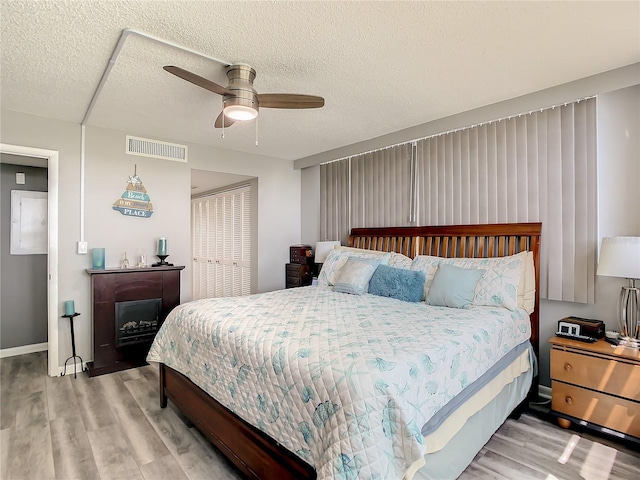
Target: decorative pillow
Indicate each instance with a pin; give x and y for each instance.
(354, 276)
(399, 283)
(400, 261)
(358, 250)
(498, 287)
(527, 285)
(453, 286)
(427, 265)
(338, 257)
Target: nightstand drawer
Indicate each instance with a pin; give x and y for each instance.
(599, 408)
(297, 275)
(616, 378)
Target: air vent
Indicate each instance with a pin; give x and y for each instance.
(145, 147)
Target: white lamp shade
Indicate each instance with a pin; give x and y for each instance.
(323, 249)
(620, 257)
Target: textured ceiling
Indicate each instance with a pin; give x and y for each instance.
(381, 66)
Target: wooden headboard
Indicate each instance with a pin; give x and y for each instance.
(475, 241)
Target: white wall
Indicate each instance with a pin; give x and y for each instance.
(168, 184)
(618, 176)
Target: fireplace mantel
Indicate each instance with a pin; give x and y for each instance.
(112, 286)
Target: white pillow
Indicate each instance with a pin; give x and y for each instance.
(527, 285)
(354, 276)
(397, 260)
(339, 256)
(497, 287)
(427, 265)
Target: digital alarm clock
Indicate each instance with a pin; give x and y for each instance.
(584, 329)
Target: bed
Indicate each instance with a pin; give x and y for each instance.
(312, 383)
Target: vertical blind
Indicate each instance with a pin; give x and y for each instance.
(539, 166)
(335, 202)
(380, 188)
(221, 244)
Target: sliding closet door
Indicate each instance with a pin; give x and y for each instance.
(221, 243)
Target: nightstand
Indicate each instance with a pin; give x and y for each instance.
(596, 385)
(298, 275)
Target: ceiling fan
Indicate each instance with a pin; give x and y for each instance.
(240, 99)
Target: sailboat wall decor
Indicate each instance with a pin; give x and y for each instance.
(134, 202)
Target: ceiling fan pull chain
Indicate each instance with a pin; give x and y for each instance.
(256, 131)
(223, 117)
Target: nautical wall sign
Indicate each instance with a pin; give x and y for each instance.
(134, 202)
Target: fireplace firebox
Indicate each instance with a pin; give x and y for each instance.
(137, 321)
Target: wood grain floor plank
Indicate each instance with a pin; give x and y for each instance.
(477, 472)
(111, 452)
(5, 435)
(9, 394)
(92, 405)
(143, 440)
(32, 411)
(530, 458)
(165, 467)
(32, 372)
(30, 454)
(509, 468)
(72, 455)
(61, 398)
(196, 460)
(130, 374)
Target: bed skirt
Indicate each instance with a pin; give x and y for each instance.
(460, 451)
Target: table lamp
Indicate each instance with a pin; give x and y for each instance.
(620, 257)
(323, 249)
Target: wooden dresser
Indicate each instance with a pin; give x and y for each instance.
(596, 385)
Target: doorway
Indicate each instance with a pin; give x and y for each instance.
(51, 158)
(224, 257)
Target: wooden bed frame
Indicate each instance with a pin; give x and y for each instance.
(259, 456)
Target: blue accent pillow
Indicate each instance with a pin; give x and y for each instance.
(399, 283)
(453, 286)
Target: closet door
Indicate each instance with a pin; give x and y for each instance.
(221, 242)
(198, 248)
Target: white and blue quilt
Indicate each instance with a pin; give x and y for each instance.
(346, 382)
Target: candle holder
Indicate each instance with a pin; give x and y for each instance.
(73, 357)
(162, 262)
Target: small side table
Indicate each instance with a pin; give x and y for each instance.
(73, 348)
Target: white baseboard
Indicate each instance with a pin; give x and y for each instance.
(14, 351)
(544, 391)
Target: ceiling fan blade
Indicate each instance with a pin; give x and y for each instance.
(198, 80)
(227, 121)
(289, 100)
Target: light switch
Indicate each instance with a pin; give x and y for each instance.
(21, 178)
(82, 248)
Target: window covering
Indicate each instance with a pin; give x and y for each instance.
(539, 166)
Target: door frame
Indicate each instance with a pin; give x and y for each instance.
(52, 251)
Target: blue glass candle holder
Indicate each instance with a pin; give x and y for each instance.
(97, 255)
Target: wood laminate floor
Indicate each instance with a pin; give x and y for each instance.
(112, 427)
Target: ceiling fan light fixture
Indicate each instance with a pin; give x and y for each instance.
(240, 112)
